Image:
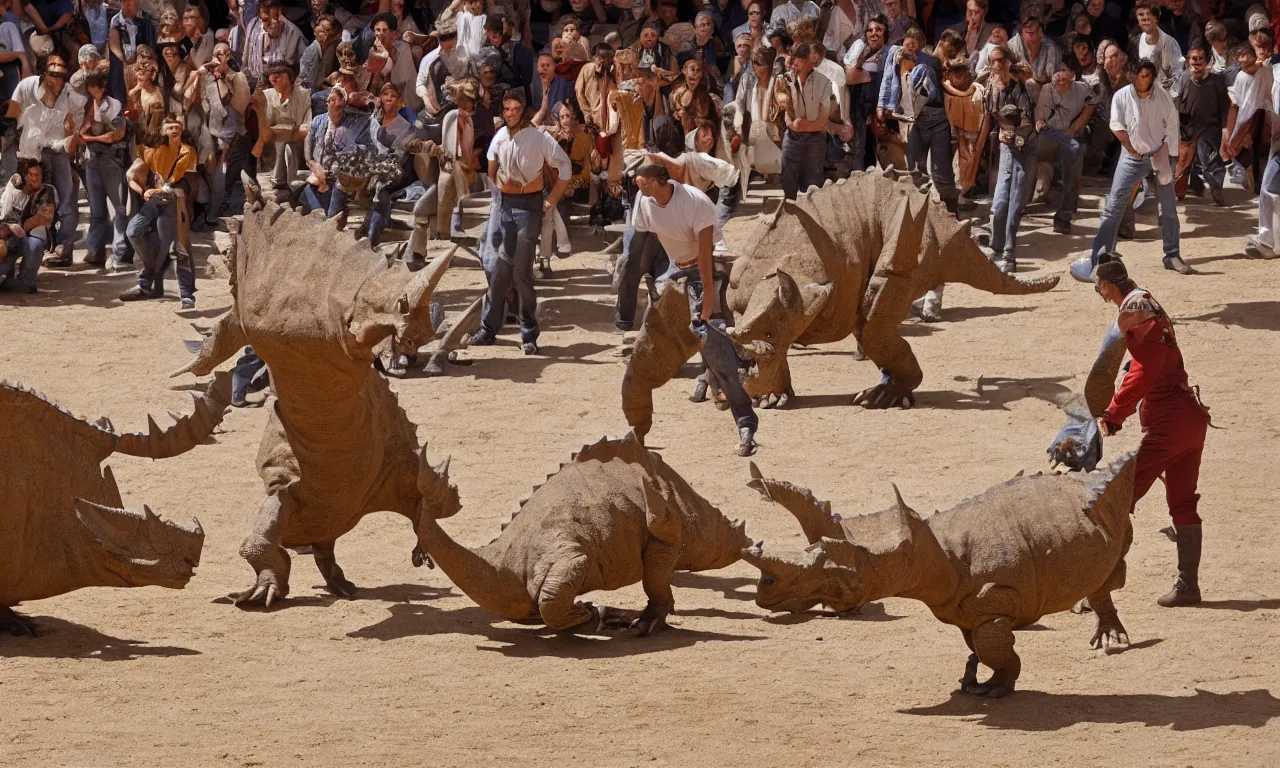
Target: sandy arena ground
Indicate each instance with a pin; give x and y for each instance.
(413, 673)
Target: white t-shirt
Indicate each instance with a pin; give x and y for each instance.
(677, 224)
(470, 32)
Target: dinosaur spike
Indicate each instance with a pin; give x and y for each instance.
(898, 497)
(754, 470)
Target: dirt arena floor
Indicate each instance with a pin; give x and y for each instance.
(413, 673)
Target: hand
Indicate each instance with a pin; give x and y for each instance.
(845, 133)
(705, 314)
(148, 194)
(735, 143)
(1105, 427)
(1132, 153)
(1040, 125)
(257, 149)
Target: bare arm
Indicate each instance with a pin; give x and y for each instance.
(113, 42)
(1081, 120)
(1123, 138)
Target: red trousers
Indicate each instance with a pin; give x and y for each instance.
(1172, 442)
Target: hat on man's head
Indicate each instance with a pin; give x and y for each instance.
(447, 28)
(41, 45)
(88, 52)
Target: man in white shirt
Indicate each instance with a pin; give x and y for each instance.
(1155, 45)
(1144, 120)
(793, 10)
(517, 155)
(683, 220)
(49, 106)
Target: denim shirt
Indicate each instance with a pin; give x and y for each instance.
(890, 82)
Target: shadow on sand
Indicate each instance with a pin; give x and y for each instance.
(61, 639)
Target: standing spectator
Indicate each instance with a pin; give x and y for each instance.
(1215, 34)
(130, 30)
(97, 17)
(470, 25)
(966, 108)
(634, 109)
(320, 59)
(516, 159)
(1103, 25)
(50, 112)
(975, 29)
(1062, 112)
(930, 134)
(899, 21)
(517, 60)
(1250, 94)
(793, 10)
(1009, 107)
(738, 66)
(1202, 101)
(1031, 48)
(397, 57)
(548, 91)
(284, 115)
(268, 39)
(1112, 76)
(448, 59)
(1154, 44)
(755, 24)
(109, 151)
(27, 208)
(596, 81)
(804, 147)
(158, 176)
(865, 65)
(199, 40)
(691, 99)
(1145, 121)
(52, 18)
(1179, 20)
(13, 58)
(224, 94)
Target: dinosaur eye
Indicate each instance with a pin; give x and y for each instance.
(767, 581)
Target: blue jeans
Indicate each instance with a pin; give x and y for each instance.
(718, 351)
(153, 231)
(930, 137)
(379, 212)
(803, 156)
(1130, 171)
(25, 250)
(507, 254)
(104, 183)
(1266, 201)
(1013, 189)
(331, 201)
(1070, 161)
(58, 167)
(642, 255)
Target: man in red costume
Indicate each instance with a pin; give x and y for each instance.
(1173, 420)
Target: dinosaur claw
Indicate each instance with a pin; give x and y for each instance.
(270, 597)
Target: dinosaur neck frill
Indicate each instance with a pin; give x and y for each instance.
(495, 591)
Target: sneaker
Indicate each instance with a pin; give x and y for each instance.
(120, 266)
(529, 348)
(32, 288)
(136, 293)
(746, 441)
(1176, 264)
(96, 259)
(1219, 199)
(1256, 249)
(1061, 227)
(564, 249)
(187, 303)
(481, 338)
(1007, 266)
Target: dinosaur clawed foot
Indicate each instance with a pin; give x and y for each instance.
(267, 589)
(1110, 635)
(989, 689)
(885, 395)
(652, 618)
(420, 558)
(338, 585)
(996, 687)
(771, 400)
(15, 624)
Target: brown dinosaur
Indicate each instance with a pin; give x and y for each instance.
(62, 525)
(315, 304)
(613, 515)
(996, 562)
(847, 258)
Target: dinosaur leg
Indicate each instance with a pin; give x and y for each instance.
(1110, 634)
(16, 625)
(263, 551)
(970, 679)
(993, 644)
(881, 341)
(335, 581)
(666, 532)
(557, 598)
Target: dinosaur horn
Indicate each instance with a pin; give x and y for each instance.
(813, 514)
(424, 283)
(188, 431)
(466, 324)
(226, 338)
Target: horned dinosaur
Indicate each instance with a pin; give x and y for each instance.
(847, 258)
(613, 515)
(62, 522)
(316, 304)
(996, 562)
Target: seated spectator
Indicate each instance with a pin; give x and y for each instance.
(109, 151)
(548, 91)
(27, 209)
(158, 176)
(320, 59)
(332, 132)
(284, 115)
(691, 99)
(1062, 112)
(396, 57)
(390, 133)
(224, 95)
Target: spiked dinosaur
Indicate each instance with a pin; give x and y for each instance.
(62, 525)
(316, 304)
(846, 259)
(613, 515)
(996, 562)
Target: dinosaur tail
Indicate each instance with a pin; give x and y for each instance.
(1112, 490)
(665, 343)
(1100, 387)
(227, 339)
(187, 431)
(967, 264)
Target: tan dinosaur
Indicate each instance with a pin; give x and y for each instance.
(614, 515)
(846, 259)
(996, 562)
(315, 304)
(62, 525)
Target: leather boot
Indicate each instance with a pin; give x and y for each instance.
(1186, 590)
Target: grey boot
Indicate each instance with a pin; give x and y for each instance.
(1186, 590)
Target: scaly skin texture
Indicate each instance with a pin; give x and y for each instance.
(62, 527)
(665, 343)
(315, 304)
(996, 562)
(614, 515)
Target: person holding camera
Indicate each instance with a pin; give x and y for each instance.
(158, 177)
(224, 93)
(27, 211)
(108, 152)
(1010, 108)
